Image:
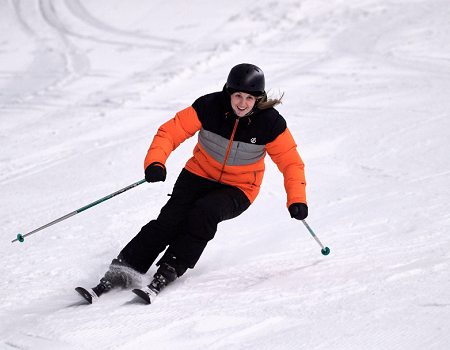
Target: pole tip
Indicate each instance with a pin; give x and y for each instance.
(20, 238)
(326, 251)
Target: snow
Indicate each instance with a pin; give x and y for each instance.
(84, 87)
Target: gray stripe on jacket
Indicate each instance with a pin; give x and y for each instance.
(241, 153)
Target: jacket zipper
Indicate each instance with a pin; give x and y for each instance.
(228, 149)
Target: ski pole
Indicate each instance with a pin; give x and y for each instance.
(325, 250)
(21, 238)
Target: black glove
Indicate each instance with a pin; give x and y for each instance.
(155, 172)
(298, 211)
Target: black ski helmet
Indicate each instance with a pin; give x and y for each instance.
(246, 77)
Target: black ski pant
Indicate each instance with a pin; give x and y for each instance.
(185, 224)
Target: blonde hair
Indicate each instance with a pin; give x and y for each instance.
(265, 102)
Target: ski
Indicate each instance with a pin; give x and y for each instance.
(147, 294)
(87, 294)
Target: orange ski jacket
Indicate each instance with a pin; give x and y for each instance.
(231, 149)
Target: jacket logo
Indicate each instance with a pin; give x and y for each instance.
(253, 140)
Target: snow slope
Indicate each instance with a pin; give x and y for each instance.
(84, 85)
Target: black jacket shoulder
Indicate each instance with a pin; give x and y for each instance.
(211, 104)
(270, 123)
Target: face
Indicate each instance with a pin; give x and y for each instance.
(242, 103)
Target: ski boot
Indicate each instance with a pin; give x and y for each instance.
(119, 275)
(163, 276)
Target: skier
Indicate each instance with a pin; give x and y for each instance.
(237, 127)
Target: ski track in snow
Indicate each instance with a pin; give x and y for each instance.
(84, 86)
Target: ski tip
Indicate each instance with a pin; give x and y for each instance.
(89, 297)
(145, 296)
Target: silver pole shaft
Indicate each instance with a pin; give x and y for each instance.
(313, 234)
(79, 210)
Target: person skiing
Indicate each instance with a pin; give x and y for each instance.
(236, 128)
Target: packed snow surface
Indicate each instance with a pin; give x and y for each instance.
(84, 85)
